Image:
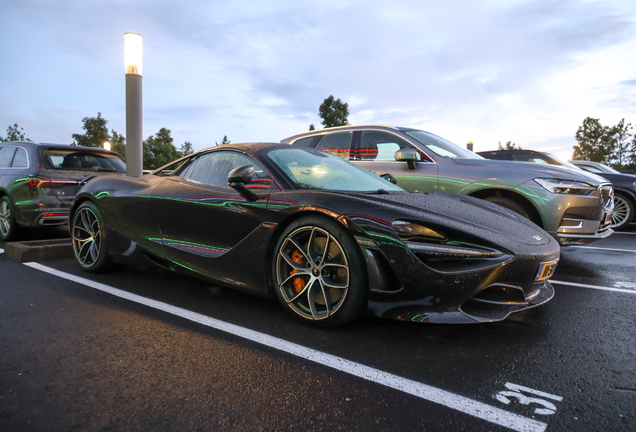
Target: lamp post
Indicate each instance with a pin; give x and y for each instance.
(134, 151)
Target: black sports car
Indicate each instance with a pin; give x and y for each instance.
(330, 239)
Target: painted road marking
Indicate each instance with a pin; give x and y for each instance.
(1, 251)
(597, 287)
(516, 391)
(624, 233)
(605, 249)
(423, 391)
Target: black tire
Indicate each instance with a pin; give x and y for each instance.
(510, 205)
(89, 238)
(9, 228)
(623, 212)
(316, 259)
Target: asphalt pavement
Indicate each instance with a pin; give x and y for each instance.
(145, 349)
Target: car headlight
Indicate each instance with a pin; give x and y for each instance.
(567, 187)
(412, 231)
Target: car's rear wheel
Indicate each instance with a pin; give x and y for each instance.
(510, 205)
(623, 212)
(8, 226)
(89, 238)
(319, 273)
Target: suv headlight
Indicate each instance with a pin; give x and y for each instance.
(567, 187)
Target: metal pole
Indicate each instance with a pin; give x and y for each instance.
(134, 147)
(134, 134)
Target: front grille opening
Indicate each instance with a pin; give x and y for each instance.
(502, 294)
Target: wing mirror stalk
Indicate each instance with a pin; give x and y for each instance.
(239, 177)
(407, 155)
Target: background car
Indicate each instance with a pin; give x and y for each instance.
(573, 206)
(624, 184)
(38, 182)
(329, 239)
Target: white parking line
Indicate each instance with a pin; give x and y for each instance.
(1, 251)
(594, 287)
(624, 233)
(605, 249)
(423, 391)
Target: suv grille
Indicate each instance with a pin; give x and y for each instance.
(607, 196)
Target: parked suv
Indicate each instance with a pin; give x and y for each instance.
(573, 206)
(624, 184)
(38, 181)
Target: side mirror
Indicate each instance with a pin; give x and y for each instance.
(407, 155)
(242, 174)
(239, 177)
(389, 177)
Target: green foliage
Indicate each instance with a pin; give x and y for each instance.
(606, 144)
(95, 132)
(15, 133)
(508, 146)
(159, 150)
(333, 112)
(118, 143)
(224, 141)
(312, 127)
(186, 149)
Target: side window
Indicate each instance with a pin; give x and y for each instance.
(213, 169)
(381, 146)
(305, 142)
(338, 144)
(591, 169)
(20, 159)
(6, 156)
(521, 157)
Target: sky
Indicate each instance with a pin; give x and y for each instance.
(487, 71)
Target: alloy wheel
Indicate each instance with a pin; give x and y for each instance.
(5, 218)
(312, 273)
(86, 236)
(622, 211)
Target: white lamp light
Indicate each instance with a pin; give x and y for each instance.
(107, 145)
(133, 46)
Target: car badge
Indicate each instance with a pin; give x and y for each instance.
(537, 238)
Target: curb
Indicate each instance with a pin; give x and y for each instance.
(38, 250)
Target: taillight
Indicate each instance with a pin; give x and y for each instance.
(48, 182)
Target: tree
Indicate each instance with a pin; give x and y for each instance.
(312, 127)
(595, 142)
(118, 143)
(159, 150)
(509, 146)
(620, 134)
(96, 132)
(333, 112)
(224, 141)
(15, 133)
(186, 149)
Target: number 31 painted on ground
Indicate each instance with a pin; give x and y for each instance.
(515, 392)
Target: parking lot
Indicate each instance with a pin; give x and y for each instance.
(147, 349)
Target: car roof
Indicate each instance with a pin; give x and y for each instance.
(58, 146)
(343, 129)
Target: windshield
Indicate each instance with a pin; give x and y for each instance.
(311, 169)
(83, 160)
(441, 146)
(563, 162)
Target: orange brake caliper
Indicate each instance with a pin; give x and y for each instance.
(299, 283)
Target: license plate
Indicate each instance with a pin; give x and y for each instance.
(546, 270)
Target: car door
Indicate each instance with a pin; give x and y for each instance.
(201, 218)
(375, 151)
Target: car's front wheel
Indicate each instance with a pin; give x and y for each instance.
(623, 212)
(319, 273)
(8, 225)
(89, 238)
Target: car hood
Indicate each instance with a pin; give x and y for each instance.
(461, 213)
(535, 170)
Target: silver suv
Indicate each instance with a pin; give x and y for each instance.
(38, 182)
(573, 206)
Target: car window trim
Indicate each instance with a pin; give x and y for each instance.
(13, 158)
(423, 153)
